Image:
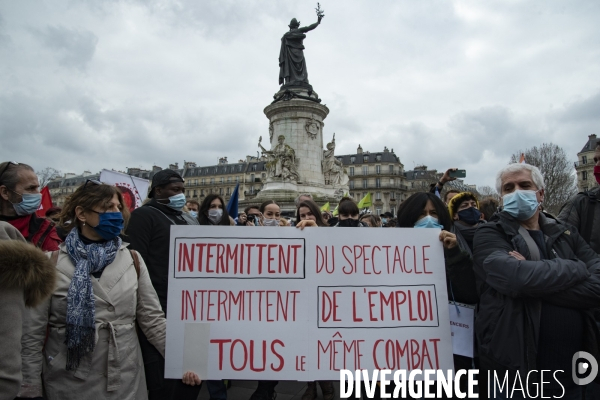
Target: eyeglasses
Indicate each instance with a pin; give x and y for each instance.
(8, 164)
(92, 181)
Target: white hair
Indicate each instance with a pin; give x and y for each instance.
(536, 175)
(297, 201)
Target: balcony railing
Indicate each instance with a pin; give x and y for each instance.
(581, 163)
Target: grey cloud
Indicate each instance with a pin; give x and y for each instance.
(74, 48)
(581, 110)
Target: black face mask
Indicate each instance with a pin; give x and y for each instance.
(469, 216)
(349, 222)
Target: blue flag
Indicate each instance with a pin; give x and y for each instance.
(232, 206)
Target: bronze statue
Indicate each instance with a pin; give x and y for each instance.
(292, 65)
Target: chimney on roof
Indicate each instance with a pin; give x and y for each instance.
(174, 167)
(223, 160)
(359, 150)
(385, 149)
(156, 168)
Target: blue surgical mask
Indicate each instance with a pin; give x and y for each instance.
(194, 214)
(110, 225)
(521, 204)
(177, 201)
(428, 222)
(469, 216)
(29, 204)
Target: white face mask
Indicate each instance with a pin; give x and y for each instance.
(270, 222)
(215, 215)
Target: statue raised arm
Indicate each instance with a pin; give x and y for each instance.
(292, 65)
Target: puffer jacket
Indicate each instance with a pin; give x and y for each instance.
(512, 291)
(27, 278)
(583, 212)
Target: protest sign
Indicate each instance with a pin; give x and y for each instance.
(133, 189)
(462, 327)
(286, 304)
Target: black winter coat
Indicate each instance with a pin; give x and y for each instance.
(511, 291)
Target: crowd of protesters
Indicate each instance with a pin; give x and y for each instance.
(83, 292)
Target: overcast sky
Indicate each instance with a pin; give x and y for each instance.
(86, 85)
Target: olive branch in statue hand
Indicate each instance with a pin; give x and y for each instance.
(320, 13)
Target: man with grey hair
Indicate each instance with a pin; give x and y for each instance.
(538, 281)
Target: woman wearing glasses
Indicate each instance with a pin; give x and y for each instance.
(92, 348)
(19, 200)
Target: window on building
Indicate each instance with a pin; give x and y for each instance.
(251, 177)
(227, 193)
(391, 181)
(378, 169)
(378, 182)
(365, 170)
(391, 169)
(240, 168)
(378, 211)
(366, 158)
(378, 157)
(351, 184)
(351, 171)
(222, 179)
(228, 179)
(212, 181)
(378, 197)
(203, 181)
(251, 189)
(584, 175)
(352, 159)
(237, 179)
(221, 191)
(583, 159)
(392, 195)
(365, 183)
(201, 192)
(254, 167)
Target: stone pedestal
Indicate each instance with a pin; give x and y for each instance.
(300, 121)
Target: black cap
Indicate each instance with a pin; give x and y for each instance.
(164, 177)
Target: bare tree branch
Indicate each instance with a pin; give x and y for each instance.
(46, 175)
(486, 192)
(559, 177)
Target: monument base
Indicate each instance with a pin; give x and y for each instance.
(297, 115)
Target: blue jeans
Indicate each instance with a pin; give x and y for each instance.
(217, 390)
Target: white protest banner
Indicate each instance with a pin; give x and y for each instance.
(133, 189)
(462, 327)
(286, 304)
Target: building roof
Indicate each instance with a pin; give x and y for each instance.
(420, 174)
(359, 158)
(590, 145)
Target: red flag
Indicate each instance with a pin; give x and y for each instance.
(46, 203)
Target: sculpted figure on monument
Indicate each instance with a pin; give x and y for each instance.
(282, 160)
(292, 65)
(333, 169)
